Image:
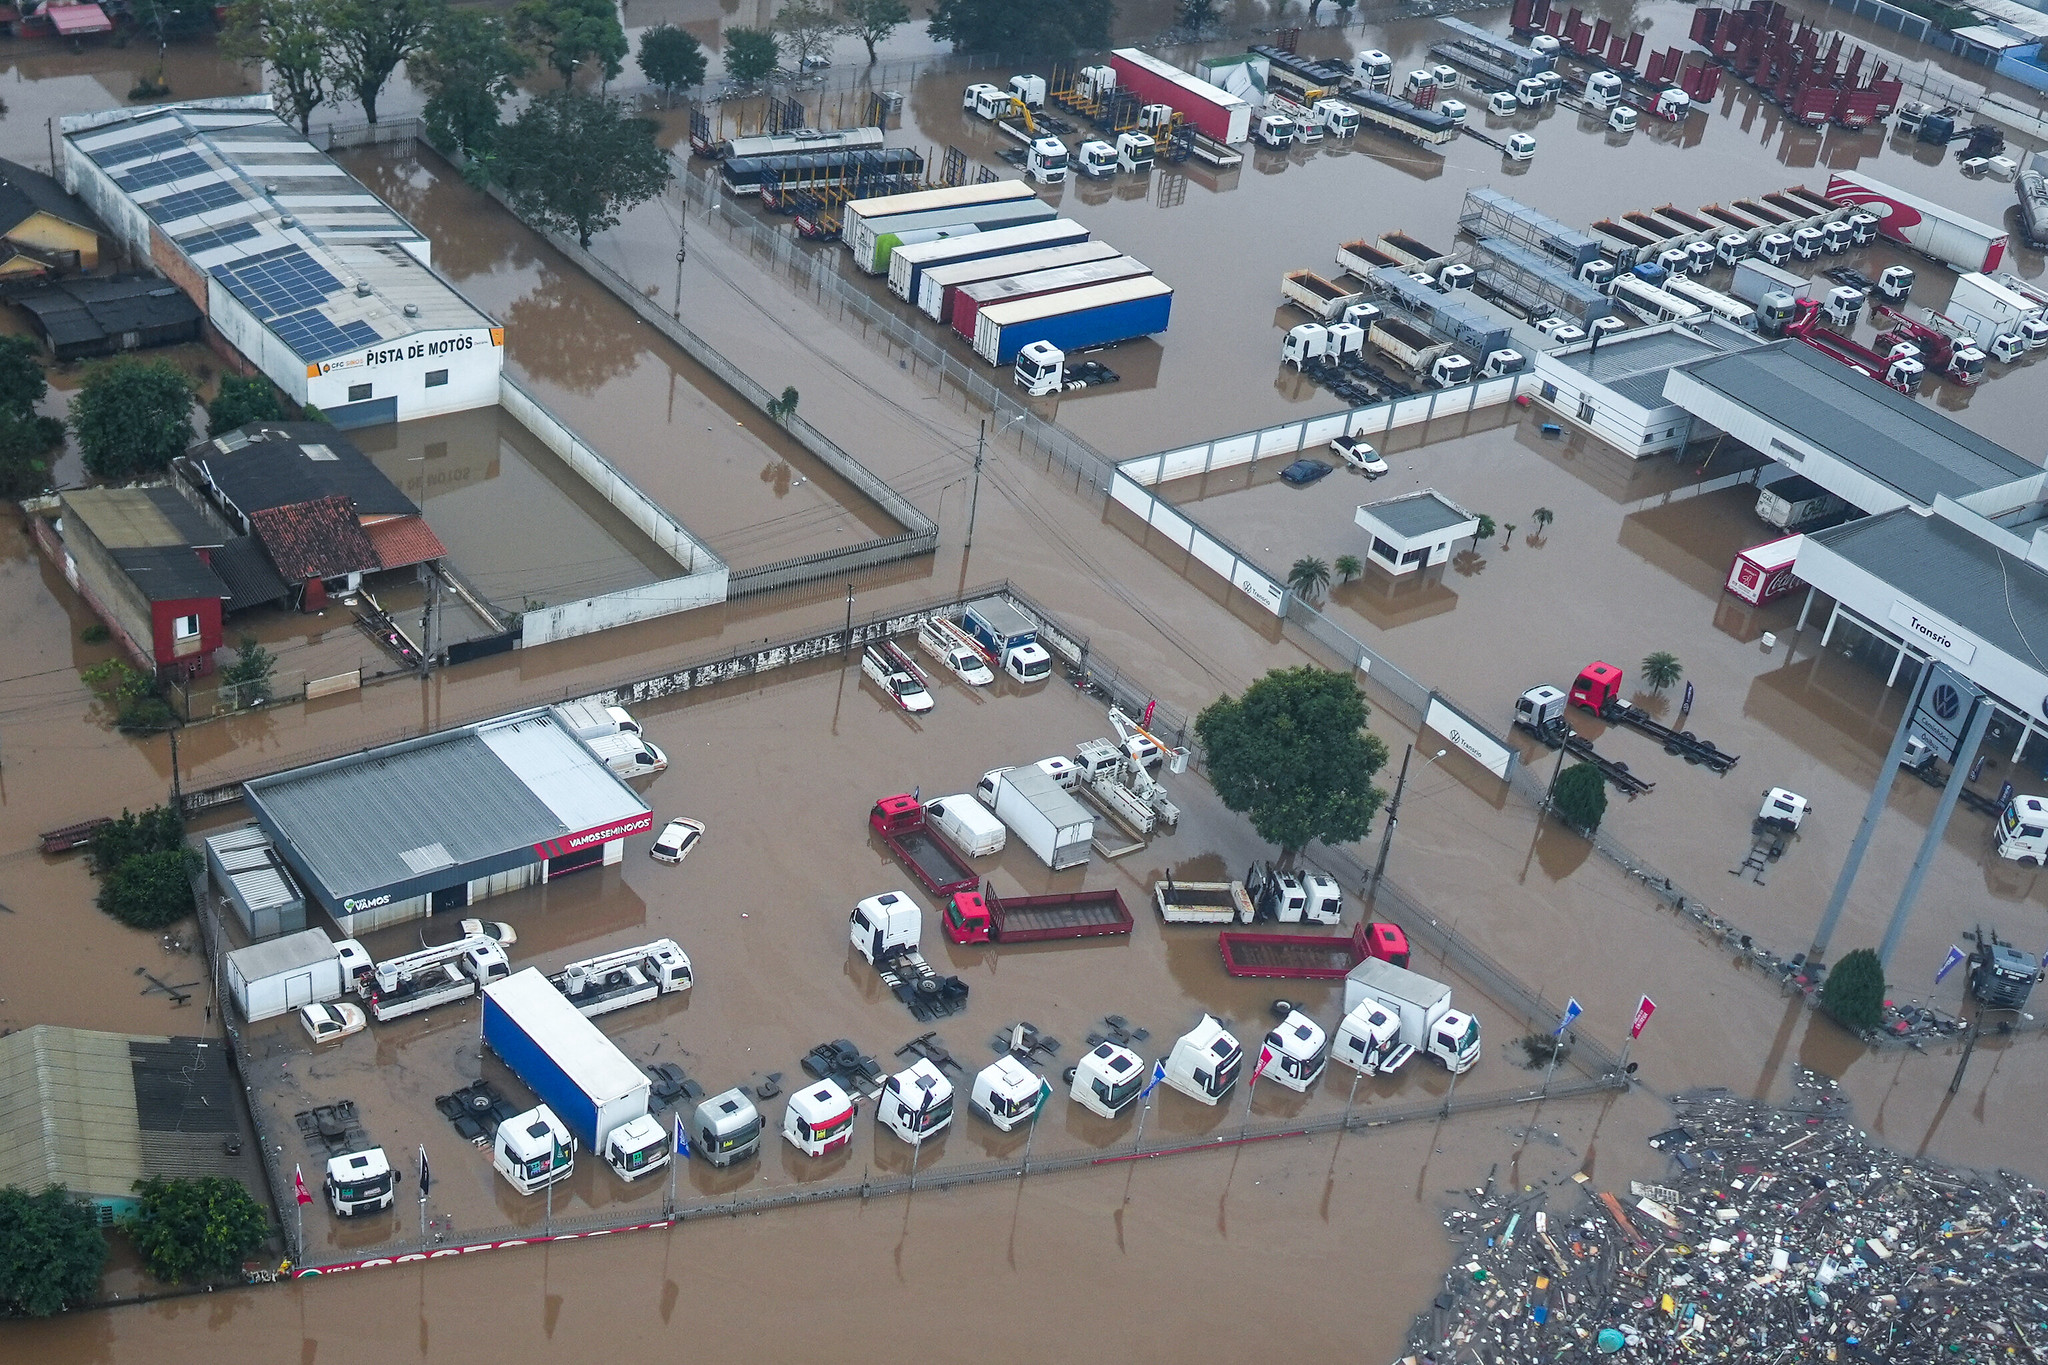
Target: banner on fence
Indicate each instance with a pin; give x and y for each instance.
(1471, 739)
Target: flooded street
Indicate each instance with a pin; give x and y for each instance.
(1307, 1244)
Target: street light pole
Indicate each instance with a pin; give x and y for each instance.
(1379, 867)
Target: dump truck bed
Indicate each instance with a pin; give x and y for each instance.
(1077, 914)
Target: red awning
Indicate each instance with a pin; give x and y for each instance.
(74, 21)
(402, 541)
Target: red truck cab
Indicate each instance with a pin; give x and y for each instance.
(1597, 685)
(897, 815)
(965, 918)
(1384, 941)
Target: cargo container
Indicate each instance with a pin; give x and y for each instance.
(1039, 812)
(940, 285)
(1763, 572)
(1075, 320)
(862, 218)
(1210, 109)
(907, 266)
(1984, 307)
(890, 233)
(975, 297)
(1927, 227)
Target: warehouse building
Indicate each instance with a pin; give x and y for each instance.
(294, 262)
(1615, 388)
(437, 823)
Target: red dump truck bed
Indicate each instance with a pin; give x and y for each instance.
(898, 821)
(1077, 914)
(1311, 957)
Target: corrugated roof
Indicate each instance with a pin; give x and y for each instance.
(67, 1111)
(247, 571)
(1905, 444)
(131, 518)
(169, 573)
(25, 192)
(559, 768)
(317, 539)
(1994, 595)
(1653, 350)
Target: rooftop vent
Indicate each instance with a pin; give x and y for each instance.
(270, 189)
(287, 221)
(362, 289)
(412, 310)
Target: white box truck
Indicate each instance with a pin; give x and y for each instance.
(1039, 811)
(1423, 1006)
(267, 979)
(589, 719)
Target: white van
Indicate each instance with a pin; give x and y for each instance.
(967, 825)
(629, 756)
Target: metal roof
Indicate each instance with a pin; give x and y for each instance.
(261, 883)
(134, 518)
(259, 961)
(322, 262)
(390, 814)
(1634, 364)
(276, 464)
(1414, 516)
(1860, 422)
(1992, 593)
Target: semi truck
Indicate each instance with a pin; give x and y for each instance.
(916, 1103)
(1211, 110)
(1311, 957)
(818, 1120)
(1425, 127)
(907, 265)
(1925, 226)
(630, 976)
(970, 301)
(1423, 1009)
(2021, 831)
(899, 822)
(1316, 296)
(728, 1127)
(1010, 637)
(1040, 812)
(1106, 1079)
(899, 677)
(970, 220)
(1369, 1040)
(1078, 319)
(885, 930)
(1202, 902)
(1796, 502)
(419, 981)
(533, 1150)
(864, 219)
(1205, 1062)
(1008, 1093)
(985, 917)
(1294, 1053)
(940, 285)
(579, 1074)
(360, 1182)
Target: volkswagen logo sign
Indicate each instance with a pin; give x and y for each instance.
(1946, 701)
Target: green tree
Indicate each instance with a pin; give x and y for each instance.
(1294, 755)
(809, 27)
(242, 399)
(195, 1229)
(51, 1251)
(783, 408)
(575, 162)
(672, 60)
(371, 37)
(1349, 567)
(1055, 28)
(569, 33)
(872, 21)
(1507, 537)
(1195, 15)
(1484, 531)
(134, 834)
(150, 890)
(1309, 577)
(290, 37)
(25, 444)
(467, 66)
(250, 673)
(1542, 516)
(22, 382)
(1579, 796)
(131, 694)
(751, 54)
(132, 416)
(1661, 670)
(1854, 991)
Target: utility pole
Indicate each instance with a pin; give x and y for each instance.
(1393, 814)
(849, 619)
(974, 501)
(682, 247)
(429, 618)
(177, 792)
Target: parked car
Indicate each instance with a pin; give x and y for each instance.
(496, 930)
(330, 1023)
(677, 840)
(1358, 453)
(1304, 472)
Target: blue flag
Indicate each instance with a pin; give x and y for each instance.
(1158, 1075)
(1949, 963)
(682, 1139)
(1571, 1012)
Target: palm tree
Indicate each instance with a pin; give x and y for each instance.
(1542, 516)
(1484, 531)
(1507, 538)
(1661, 669)
(1309, 577)
(1349, 567)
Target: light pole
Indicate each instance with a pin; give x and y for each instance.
(1379, 867)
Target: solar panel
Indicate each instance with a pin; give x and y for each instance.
(280, 281)
(163, 172)
(185, 203)
(312, 335)
(122, 153)
(209, 239)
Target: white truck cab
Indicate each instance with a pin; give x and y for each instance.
(880, 923)
(1107, 1079)
(360, 1182)
(1369, 1040)
(1294, 1053)
(1095, 159)
(819, 1119)
(1304, 342)
(1046, 161)
(1041, 369)
(728, 1127)
(1136, 152)
(1277, 130)
(533, 1150)
(1325, 899)
(1007, 1093)
(1423, 1009)
(916, 1103)
(2022, 830)
(638, 1146)
(1205, 1062)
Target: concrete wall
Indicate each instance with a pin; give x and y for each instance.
(1630, 427)
(111, 590)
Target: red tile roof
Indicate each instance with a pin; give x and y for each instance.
(401, 541)
(317, 539)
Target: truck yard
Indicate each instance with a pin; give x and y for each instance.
(729, 991)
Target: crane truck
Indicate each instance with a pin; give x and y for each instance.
(1423, 1008)
(419, 981)
(1282, 896)
(1133, 795)
(630, 976)
(885, 930)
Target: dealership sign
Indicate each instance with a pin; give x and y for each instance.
(598, 834)
(1925, 628)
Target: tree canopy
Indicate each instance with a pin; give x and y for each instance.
(51, 1251)
(25, 436)
(291, 38)
(195, 1229)
(369, 38)
(807, 28)
(1854, 990)
(1054, 27)
(672, 59)
(872, 21)
(136, 832)
(568, 33)
(751, 54)
(468, 67)
(132, 417)
(575, 162)
(242, 399)
(1293, 754)
(150, 890)
(1580, 797)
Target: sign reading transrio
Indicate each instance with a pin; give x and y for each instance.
(1925, 628)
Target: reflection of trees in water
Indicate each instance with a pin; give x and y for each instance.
(567, 334)
(434, 199)
(776, 474)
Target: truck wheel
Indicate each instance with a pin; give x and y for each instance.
(1068, 1074)
(928, 986)
(481, 1103)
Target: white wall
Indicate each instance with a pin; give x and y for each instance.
(1628, 426)
(399, 368)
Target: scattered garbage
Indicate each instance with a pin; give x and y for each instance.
(1778, 1234)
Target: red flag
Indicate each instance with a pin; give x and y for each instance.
(1265, 1060)
(299, 1184)
(1643, 1013)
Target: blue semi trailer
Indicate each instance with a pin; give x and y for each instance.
(1074, 320)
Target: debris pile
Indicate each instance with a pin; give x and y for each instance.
(1778, 1235)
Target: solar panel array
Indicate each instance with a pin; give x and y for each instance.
(152, 173)
(154, 145)
(276, 282)
(312, 335)
(209, 239)
(185, 203)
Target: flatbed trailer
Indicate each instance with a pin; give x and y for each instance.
(1307, 957)
(1578, 746)
(1682, 743)
(1075, 914)
(1202, 902)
